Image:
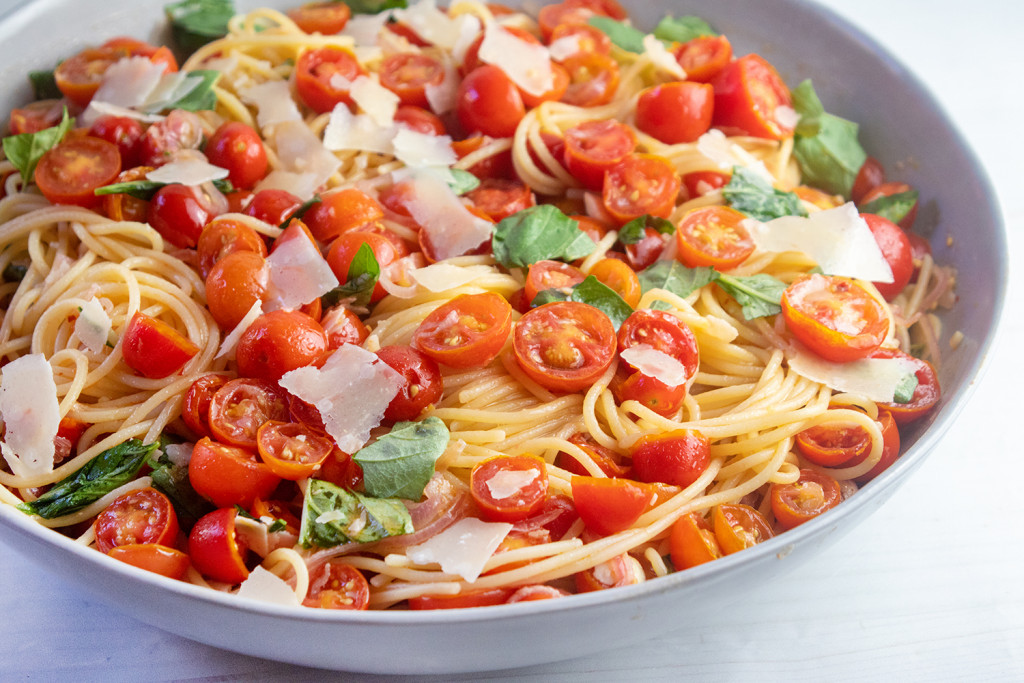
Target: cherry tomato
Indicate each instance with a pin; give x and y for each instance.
(132, 47)
(870, 176)
(420, 120)
(675, 112)
(608, 506)
(604, 458)
(664, 332)
(738, 527)
(471, 59)
(478, 598)
(703, 57)
(888, 190)
(466, 332)
(499, 198)
(649, 391)
(564, 346)
(336, 584)
(272, 206)
(315, 77)
(139, 516)
(488, 102)
(422, 384)
(237, 147)
(195, 408)
(79, 76)
(215, 548)
(70, 172)
(833, 445)
(122, 131)
(812, 494)
(340, 212)
(278, 342)
(326, 18)
(153, 348)
(241, 406)
(179, 213)
(346, 246)
(818, 198)
(834, 317)
(604, 8)
(926, 394)
(677, 458)
(890, 448)
(644, 253)
(895, 247)
(574, 12)
(341, 470)
(620, 278)
(621, 570)
(640, 184)
(593, 79)
(594, 147)
(748, 94)
(535, 592)
(497, 165)
(229, 475)
(586, 39)
(153, 557)
(713, 236)
(292, 450)
(509, 488)
(224, 236)
(177, 131)
(556, 516)
(37, 116)
(699, 183)
(342, 326)
(410, 74)
(544, 275)
(693, 542)
(235, 283)
(559, 86)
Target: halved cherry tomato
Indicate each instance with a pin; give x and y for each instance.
(467, 332)
(608, 506)
(340, 212)
(593, 79)
(594, 228)
(337, 585)
(640, 184)
(497, 165)
(834, 317)
(895, 247)
(620, 278)
(870, 176)
(316, 80)
(153, 557)
(621, 570)
(604, 8)
(37, 116)
(179, 213)
(177, 131)
(79, 76)
(195, 408)
(604, 458)
(645, 252)
(544, 275)
(649, 391)
(422, 385)
(550, 17)
(216, 550)
(509, 488)
(235, 283)
(140, 516)
(326, 18)
(890, 448)
(703, 57)
(675, 112)
(278, 510)
(223, 236)
(292, 450)
(533, 592)
(499, 198)
(833, 445)
(739, 526)
(677, 458)
(153, 348)
(559, 86)
(564, 346)
(888, 190)
(585, 38)
(71, 171)
(926, 394)
(593, 147)
(748, 95)
(237, 147)
(132, 47)
(488, 102)
(241, 406)
(713, 236)
(478, 598)
(410, 74)
(278, 342)
(818, 198)
(420, 120)
(229, 475)
(556, 516)
(122, 131)
(812, 494)
(272, 206)
(344, 249)
(666, 333)
(693, 542)
(342, 326)
(699, 183)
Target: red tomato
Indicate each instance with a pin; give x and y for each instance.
(896, 249)
(122, 131)
(587, 39)
(890, 448)
(535, 592)
(497, 165)
(748, 94)
(738, 527)
(241, 406)
(833, 445)
(238, 148)
(664, 332)
(466, 332)
(179, 213)
(70, 172)
(272, 206)
(644, 253)
(693, 542)
(699, 183)
(499, 198)
(420, 120)
(550, 17)
(195, 408)
(340, 212)
(229, 475)
(604, 458)
(153, 348)
(870, 176)
(342, 326)
(216, 550)
(559, 86)
(604, 8)
(677, 458)
(608, 506)
(621, 570)
(421, 386)
(489, 103)
(620, 278)
(640, 184)
(509, 488)
(478, 598)
(37, 116)
(336, 584)
(139, 516)
(926, 394)
(314, 77)
(812, 494)
(224, 236)
(136, 48)
(326, 18)
(123, 207)
(164, 139)
(594, 147)
(813, 195)
(556, 516)
(888, 190)
(834, 317)
(278, 342)
(235, 283)
(704, 57)
(675, 112)
(292, 450)
(153, 557)
(346, 246)
(713, 236)
(564, 346)
(79, 76)
(593, 79)
(410, 74)
(544, 275)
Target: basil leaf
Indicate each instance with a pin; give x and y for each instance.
(172, 480)
(549, 296)
(905, 388)
(602, 297)
(809, 106)
(25, 150)
(825, 146)
(536, 234)
(676, 278)
(301, 211)
(623, 35)
(374, 6)
(195, 93)
(635, 230)
(145, 189)
(400, 463)
(749, 192)
(461, 181)
(894, 207)
(363, 273)
(44, 85)
(760, 295)
(195, 23)
(110, 469)
(683, 29)
(332, 516)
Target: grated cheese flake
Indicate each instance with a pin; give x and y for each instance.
(876, 378)
(266, 586)
(463, 548)
(528, 65)
(93, 325)
(31, 414)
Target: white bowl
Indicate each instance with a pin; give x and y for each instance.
(901, 124)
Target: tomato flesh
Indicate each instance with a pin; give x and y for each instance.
(338, 585)
(594, 147)
(314, 77)
(292, 450)
(641, 184)
(509, 488)
(70, 172)
(713, 236)
(926, 394)
(834, 317)
(608, 506)
(799, 502)
(564, 346)
(466, 332)
(215, 549)
(422, 384)
(748, 95)
(140, 516)
(738, 527)
(693, 542)
(229, 475)
(241, 406)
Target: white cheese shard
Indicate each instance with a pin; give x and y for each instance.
(527, 64)
(303, 157)
(441, 277)
(128, 82)
(376, 101)
(230, 342)
(298, 274)
(346, 131)
(656, 364)
(187, 171)
(565, 47)
(449, 225)
(273, 101)
(442, 96)
(786, 116)
(299, 184)
(662, 58)
(507, 483)
(716, 146)
(97, 109)
(31, 413)
(838, 239)
(433, 25)
(266, 586)
(363, 29)
(93, 325)
(352, 390)
(876, 378)
(422, 150)
(463, 548)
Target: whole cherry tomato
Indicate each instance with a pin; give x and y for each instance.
(237, 147)
(235, 283)
(122, 131)
(341, 211)
(895, 247)
(278, 342)
(675, 112)
(677, 458)
(489, 103)
(215, 548)
(179, 213)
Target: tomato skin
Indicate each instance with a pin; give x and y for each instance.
(677, 458)
(153, 348)
(409, 74)
(313, 77)
(478, 598)
(223, 236)
(342, 326)
(621, 570)
(69, 172)
(699, 183)
(703, 57)
(79, 77)
(644, 253)
(37, 116)
(237, 147)
(604, 458)
(422, 385)
(235, 283)
(216, 550)
(551, 17)
(466, 332)
(499, 198)
(272, 206)
(179, 213)
(340, 212)
(179, 130)
(870, 176)
(588, 38)
(890, 448)
(140, 516)
(593, 79)
(488, 102)
(564, 346)
(926, 394)
(278, 342)
(831, 445)
(195, 408)
(799, 502)
(241, 406)
(834, 317)
(620, 278)
(420, 120)
(544, 275)
(522, 503)
(664, 332)
(593, 147)
(693, 542)
(498, 165)
(325, 18)
(887, 190)
(895, 247)
(748, 91)
(713, 236)
(338, 585)
(640, 184)
(738, 527)
(153, 557)
(608, 506)
(675, 112)
(292, 450)
(122, 131)
(229, 475)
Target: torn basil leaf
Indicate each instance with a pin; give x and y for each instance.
(760, 295)
(894, 207)
(825, 146)
(682, 29)
(623, 35)
(635, 230)
(536, 234)
(145, 189)
(374, 6)
(25, 150)
(750, 193)
(676, 278)
(44, 85)
(332, 515)
(363, 274)
(462, 181)
(400, 463)
(195, 23)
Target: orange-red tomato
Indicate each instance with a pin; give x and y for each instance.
(895, 247)
(223, 236)
(70, 172)
(606, 459)
(466, 332)
(488, 102)
(678, 457)
(537, 591)
(153, 348)
(593, 79)
(36, 116)
(123, 207)
(162, 141)
(748, 96)
(834, 317)
(621, 570)
(544, 275)
(79, 76)
(326, 18)
(662, 332)
(499, 198)
(926, 394)
(699, 183)
(337, 585)
(234, 284)
(410, 74)
(240, 407)
(342, 326)
(693, 542)
(559, 86)
(620, 278)
(870, 176)
(229, 475)
(812, 494)
(122, 131)
(195, 408)
(551, 17)
(140, 516)
(831, 445)
(341, 211)
(739, 526)
(564, 346)
(890, 449)
(315, 80)
(587, 39)
(292, 450)
(278, 342)
(237, 147)
(216, 550)
(509, 488)
(153, 557)
(421, 386)
(344, 249)
(608, 506)
(272, 206)
(478, 598)
(703, 57)
(594, 147)
(497, 165)
(713, 236)
(638, 185)
(420, 120)
(645, 252)
(675, 112)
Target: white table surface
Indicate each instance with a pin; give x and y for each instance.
(931, 587)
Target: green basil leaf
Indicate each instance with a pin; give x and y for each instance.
(461, 181)
(749, 192)
(374, 6)
(676, 278)
(332, 516)
(363, 273)
(110, 469)
(301, 211)
(595, 293)
(195, 23)
(145, 189)
(825, 146)
(894, 207)
(760, 295)
(905, 388)
(536, 234)
(809, 107)
(635, 230)
(44, 85)
(549, 296)
(25, 150)
(172, 480)
(683, 29)
(623, 35)
(400, 463)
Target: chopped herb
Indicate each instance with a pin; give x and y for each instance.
(539, 233)
(751, 193)
(461, 181)
(25, 150)
(363, 274)
(15, 272)
(623, 35)
(905, 388)
(683, 29)
(894, 207)
(400, 463)
(635, 230)
(676, 278)
(145, 189)
(760, 295)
